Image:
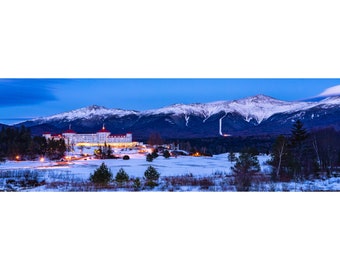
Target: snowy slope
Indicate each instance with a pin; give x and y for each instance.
(86, 113)
(258, 107)
(330, 101)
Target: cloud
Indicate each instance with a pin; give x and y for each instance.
(332, 91)
(22, 92)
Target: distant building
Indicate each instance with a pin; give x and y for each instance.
(101, 138)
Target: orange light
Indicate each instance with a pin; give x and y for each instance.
(197, 154)
(42, 159)
(17, 157)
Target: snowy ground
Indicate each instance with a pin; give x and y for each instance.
(214, 169)
(135, 166)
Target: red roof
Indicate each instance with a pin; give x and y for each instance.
(103, 130)
(69, 131)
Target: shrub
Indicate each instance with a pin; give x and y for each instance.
(102, 175)
(149, 158)
(126, 157)
(137, 184)
(151, 184)
(122, 176)
(166, 154)
(231, 157)
(154, 153)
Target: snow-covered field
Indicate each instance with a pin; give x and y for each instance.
(135, 166)
(215, 168)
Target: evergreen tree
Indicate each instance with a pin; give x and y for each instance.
(151, 175)
(154, 154)
(231, 157)
(55, 149)
(121, 176)
(166, 154)
(149, 157)
(102, 175)
(299, 149)
(326, 149)
(109, 151)
(247, 165)
(137, 184)
(299, 133)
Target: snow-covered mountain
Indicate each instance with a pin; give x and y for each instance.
(252, 115)
(256, 108)
(86, 113)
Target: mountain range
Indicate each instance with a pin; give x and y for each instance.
(256, 115)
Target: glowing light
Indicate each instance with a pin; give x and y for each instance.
(113, 145)
(42, 159)
(17, 157)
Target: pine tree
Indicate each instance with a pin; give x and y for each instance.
(109, 152)
(121, 176)
(137, 184)
(231, 157)
(166, 154)
(151, 175)
(299, 149)
(299, 133)
(102, 175)
(154, 154)
(149, 157)
(245, 168)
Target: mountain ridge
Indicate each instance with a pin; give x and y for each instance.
(258, 114)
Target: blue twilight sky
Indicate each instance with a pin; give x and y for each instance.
(22, 99)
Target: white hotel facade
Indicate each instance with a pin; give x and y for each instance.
(101, 138)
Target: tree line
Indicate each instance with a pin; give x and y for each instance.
(296, 157)
(19, 144)
(220, 145)
(304, 155)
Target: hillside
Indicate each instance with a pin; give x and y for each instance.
(257, 115)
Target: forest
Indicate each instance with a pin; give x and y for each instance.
(299, 154)
(19, 144)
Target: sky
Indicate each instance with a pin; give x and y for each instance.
(23, 99)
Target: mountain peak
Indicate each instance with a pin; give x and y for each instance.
(95, 107)
(262, 96)
(260, 99)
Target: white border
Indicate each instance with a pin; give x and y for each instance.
(172, 39)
